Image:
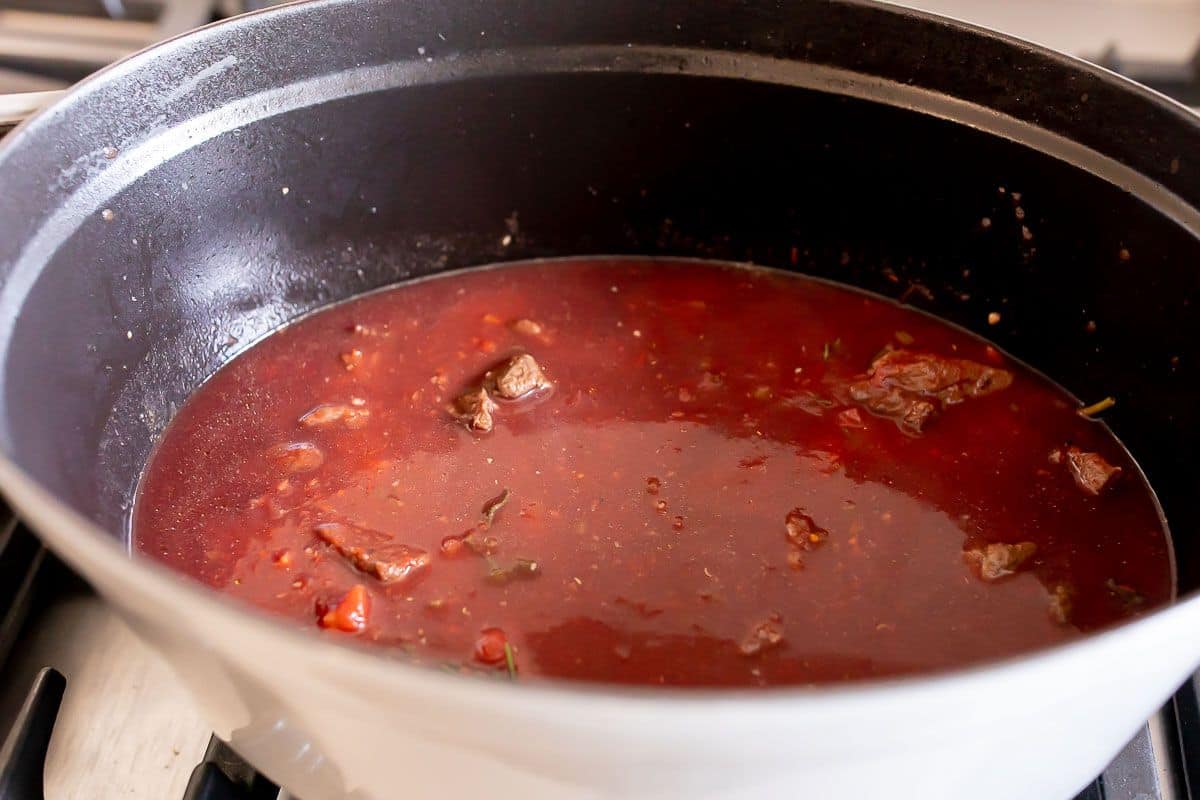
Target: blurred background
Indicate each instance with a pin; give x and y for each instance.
(48, 44)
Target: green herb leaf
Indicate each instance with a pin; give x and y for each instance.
(1129, 597)
(493, 506)
(1090, 412)
(510, 661)
(523, 569)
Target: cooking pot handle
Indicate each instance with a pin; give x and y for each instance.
(14, 108)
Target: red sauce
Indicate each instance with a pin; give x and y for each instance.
(710, 475)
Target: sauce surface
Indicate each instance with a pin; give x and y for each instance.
(653, 472)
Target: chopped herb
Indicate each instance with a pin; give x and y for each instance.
(493, 566)
(481, 547)
(1090, 412)
(523, 569)
(830, 348)
(1129, 597)
(510, 662)
(493, 506)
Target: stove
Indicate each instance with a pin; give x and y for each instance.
(88, 711)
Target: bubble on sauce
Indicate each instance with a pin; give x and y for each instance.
(653, 485)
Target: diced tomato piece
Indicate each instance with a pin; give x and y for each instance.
(350, 615)
(489, 647)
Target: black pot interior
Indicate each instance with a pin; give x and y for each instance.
(217, 245)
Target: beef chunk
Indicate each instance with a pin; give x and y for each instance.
(916, 414)
(998, 559)
(808, 402)
(1091, 472)
(802, 532)
(520, 376)
(476, 408)
(373, 552)
(850, 418)
(951, 380)
(327, 414)
(912, 388)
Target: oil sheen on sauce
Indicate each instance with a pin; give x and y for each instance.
(653, 472)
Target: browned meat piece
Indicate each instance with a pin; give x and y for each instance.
(808, 402)
(912, 387)
(951, 380)
(329, 413)
(998, 559)
(476, 408)
(803, 532)
(1091, 472)
(373, 552)
(850, 418)
(297, 456)
(763, 636)
(1061, 603)
(520, 376)
(916, 414)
